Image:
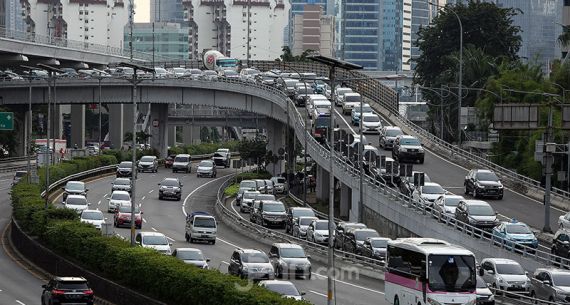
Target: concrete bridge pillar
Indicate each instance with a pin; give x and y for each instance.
(172, 136)
(345, 200)
(159, 128)
(116, 131)
(323, 186)
(78, 125)
(190, 134)
(127, 118)
(21, 122)
(275, 141)
(354, 207)
(57, 120)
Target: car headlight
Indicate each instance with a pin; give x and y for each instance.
(500, 186)
(492, 297)
(244, 268)
(500, 280)
(478, 185)
(317, 234)
(433, 302)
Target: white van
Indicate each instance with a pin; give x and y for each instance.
(321, 107)
(311, 98)
(201, 226)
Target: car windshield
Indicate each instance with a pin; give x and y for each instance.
(321, 225)
(518, 229)
(290, 82)
(452, 201)
(209, 73)
(126, 165)
(305, 90)
(219, 155)
(127, 209)
(255, 258)
(354, 225)
(322, 121)
(76, 201)
(481, 210)
(363, 235)
(280, 180)
(20, 174)
(365, 109)
(410, 141)
(169, 182)
(371, 118)
(487, 176)
(155, 240)
(510, 269)
(181, 159)
(122, 181)
(230, 73)
(190, 255)
(92, 215)
(246, 184)
(303, 212)
(249, 195)
(72, 285)
(393, 132)
(120, 196)
(147, 159)
(452, 273)
(305, 221)
(352, 98)
(206, 164)
(75, 186)
(433, 189)
(274, 207)
(204, 222)
(561, 279)
(264, 197)
(379, 243)
(292, 252)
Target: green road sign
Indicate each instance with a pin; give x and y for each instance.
(6, 121)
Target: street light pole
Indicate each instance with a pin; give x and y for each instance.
(100, 124)
(29, 125)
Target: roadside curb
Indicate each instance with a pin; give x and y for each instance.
(316, 256)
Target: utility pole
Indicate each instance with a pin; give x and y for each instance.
(549, 149)
(331, 271)
(131, 21)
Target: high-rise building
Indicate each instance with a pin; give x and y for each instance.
(370, 33)
(313, 31)
(14, 20)
(164, 39)
(565, 22)
(298, 8)
(417, 14)
(166, 11)
(236, 28)
(93, 22)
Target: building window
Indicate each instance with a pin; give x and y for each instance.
(566, 2)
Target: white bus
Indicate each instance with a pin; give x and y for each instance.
(425, 271)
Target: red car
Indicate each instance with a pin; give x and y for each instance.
(123, 217)
(168, 161)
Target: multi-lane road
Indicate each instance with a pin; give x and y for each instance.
(199, 194)
(451, 177)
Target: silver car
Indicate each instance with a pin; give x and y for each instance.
(116, 199)
(191, 256)
(551, 284)
(289, 259)
(251, 264)
(300, 226)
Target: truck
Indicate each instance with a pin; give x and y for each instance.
(201, 226)
(216, 61)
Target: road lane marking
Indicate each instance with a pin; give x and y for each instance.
(225, 263)
(144, 220)
(196, 189)
(234, 208)
(143, 197)
(20, 302)
(99, 202)
(150, 192)
(318, 293)
(155, 230)
(171, 239)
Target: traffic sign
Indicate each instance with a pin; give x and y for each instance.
(6, 121)
(155, 123)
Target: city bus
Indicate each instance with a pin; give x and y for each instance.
(425, 271)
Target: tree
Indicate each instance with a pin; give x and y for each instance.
(252, 149)
(564, 38)
(288, 56)
(489, 39)
(142, 137)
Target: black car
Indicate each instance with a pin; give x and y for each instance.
(407, 186)
(125, 169)
(354, 239)
(561, 245)
(296, 212)
(67, 290)
(170, 188)
(483, 183)
(341, 229)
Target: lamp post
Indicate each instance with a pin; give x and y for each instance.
(29, 125)
(563, 91)
(459, 95)
(332, 63)
(134, 81)
(51, 77)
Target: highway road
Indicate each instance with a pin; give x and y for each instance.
(451, 177)
(17, 286)
(168, 217)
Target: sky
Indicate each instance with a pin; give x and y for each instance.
(142, 10)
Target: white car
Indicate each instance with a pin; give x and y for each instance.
(191, 256)
(428, 193)
(371, 123)
(116, 199)
(284, 288)
(154, 240)
(318, 231)
(279, 184)
(339, 95)
(348, 106)
(446, 205)
(505, 274)
(564, 221)
(94, 217)
(76, 202)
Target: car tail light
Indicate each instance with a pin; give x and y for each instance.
(57, 292)
(88, 292)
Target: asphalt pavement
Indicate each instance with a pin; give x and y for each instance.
(199, 194)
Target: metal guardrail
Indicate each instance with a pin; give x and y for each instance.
(352, 258)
